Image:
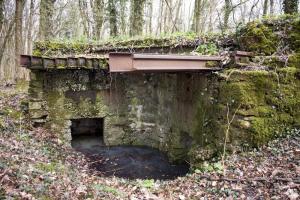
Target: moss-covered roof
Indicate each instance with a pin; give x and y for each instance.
(178, 43)
(265, 37)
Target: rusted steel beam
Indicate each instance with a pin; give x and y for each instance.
(43, 63)
(127, 62)
(175, 57)
(242, 56)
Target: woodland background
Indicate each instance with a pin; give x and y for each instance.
(24, 21)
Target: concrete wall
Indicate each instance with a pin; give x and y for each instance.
(157, 110)
(183, 114)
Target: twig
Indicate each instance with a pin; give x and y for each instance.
(251, 179)
(229, 121)
(2, 175)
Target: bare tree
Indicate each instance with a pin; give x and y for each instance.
(177, 16)
(6, 35)
(149, 15)
(46, 19)
(123, 16)
(1, 13)
(30, 27)
(83, 9)
(112, 10)
(198, 19)
(98, 13)
(227, 10)
(136, 17)
(266, 6)
(18, 30)
(271, 7)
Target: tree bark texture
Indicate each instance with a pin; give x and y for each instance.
(46, 19)
(136, 17)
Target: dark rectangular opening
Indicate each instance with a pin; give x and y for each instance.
(87, 131)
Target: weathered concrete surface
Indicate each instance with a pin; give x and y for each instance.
(183, 114)
(156, 110)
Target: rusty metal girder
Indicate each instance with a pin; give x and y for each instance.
(127, 62)
(43, 63)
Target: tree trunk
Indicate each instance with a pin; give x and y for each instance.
(265, 11)
(123, 17)
(290, 6)
(136, 17)
(271, 7)
(177, 16)
(18, 32)
(210, 22)
(98, 17)
(30, 27)
(84, 16)
(112, 18)
(150, 15)
(6, 39)
(1, 14)
(196, 18)
(227, 11)
(161, 10)
(46, 19)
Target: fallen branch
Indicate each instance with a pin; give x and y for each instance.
(270, 180)
(3, 175)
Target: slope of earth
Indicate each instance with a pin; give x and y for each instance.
(35, 165)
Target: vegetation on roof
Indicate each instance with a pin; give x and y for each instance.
(206, 43)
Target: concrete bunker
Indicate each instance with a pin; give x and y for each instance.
(179, 109)
(149, 105)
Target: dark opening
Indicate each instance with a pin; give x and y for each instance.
(87, 132)
(122, 161)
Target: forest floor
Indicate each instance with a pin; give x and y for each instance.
(35, 165)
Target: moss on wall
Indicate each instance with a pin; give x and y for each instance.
(259, 38)
(271, 34)
(269, 101)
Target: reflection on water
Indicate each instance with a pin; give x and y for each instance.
(128, 161)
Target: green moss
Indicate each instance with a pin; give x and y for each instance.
(272, 62)
(259, 38)
(263, 111)
(270, 102)
(294, 34)
(205, 129)
(103, 62)
(243, 93)
(262, 130)
(57, 48)
(212, 64)
(294, 61)
(207, 49)
(37, 52)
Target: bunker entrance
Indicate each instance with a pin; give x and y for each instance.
(87, 133)
(122, 161)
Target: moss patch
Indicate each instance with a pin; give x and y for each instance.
(258, 38)
(269, 102)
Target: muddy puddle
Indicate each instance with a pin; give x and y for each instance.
(128, 161)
